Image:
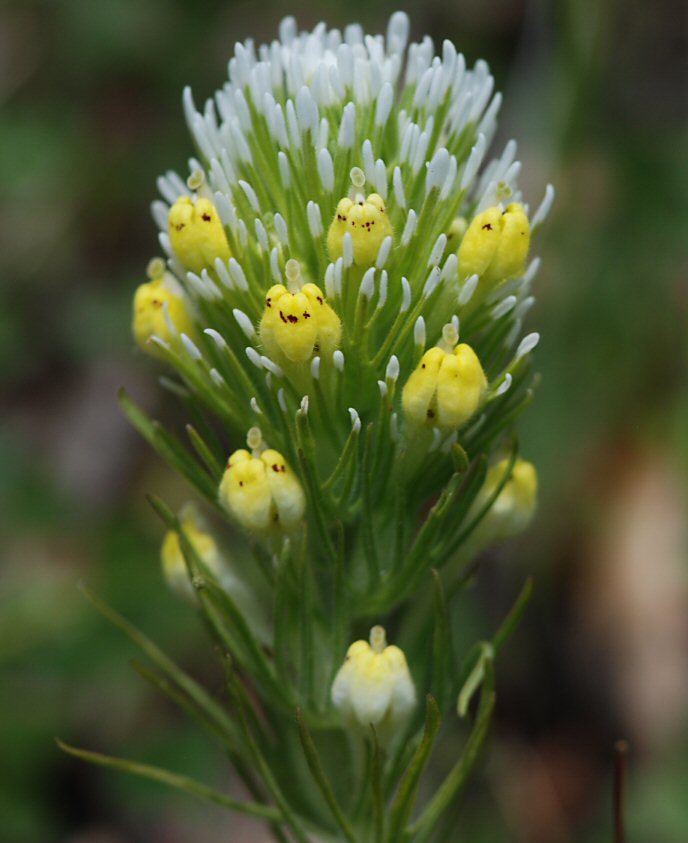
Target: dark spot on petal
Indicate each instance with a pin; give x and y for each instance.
(320, 300)
(293, 319)
(306, 314)
(241, 482)
(283, 317)
(206, 217)
(267, 302)
(275, 467)
(487, 226)
(179, 226)
(422, 365)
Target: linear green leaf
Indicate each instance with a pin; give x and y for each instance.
(408, 788)
(449, 789)
(314, 765)
(179, 782)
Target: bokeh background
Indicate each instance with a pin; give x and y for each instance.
(596, 92)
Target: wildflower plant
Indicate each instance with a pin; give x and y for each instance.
(340, 310)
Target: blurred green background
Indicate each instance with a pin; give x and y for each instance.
(596, 93)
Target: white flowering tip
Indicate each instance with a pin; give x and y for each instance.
(374, 686)
(447, 386)
(196, 234)
(160, 310)
(366, 221)
(297, 325)
(172, 559)
(495, 245)
(262, 491)
(515, 506)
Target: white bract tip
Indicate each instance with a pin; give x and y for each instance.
(382, 386)
(392, 371)
(405, 295)
(545, 207)
(504, 385)
(254, 357)
(355, 419)
(419, 332)
(191, 348)
(347, 250)
(338, 360)
(527, 344)
(367, 287)
(504, 307)
(254, 406)
(383, 253)
(315, 368)
(218, 338)
(244, 323)
(326, 170)
(468, 289)
(303, 407)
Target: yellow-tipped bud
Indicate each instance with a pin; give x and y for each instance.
(262, 491)
(196, 233)
(496, 244)
(172, 557)
(366, 221)
(446, 388)
(515, 505)
(374, 686)
(299, 324)
(151, 300)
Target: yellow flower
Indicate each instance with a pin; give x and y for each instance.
(298, 324)
(447, 386)
(149, 313)
(374, 686)
(366, 221)
(261, 491)
(515, 505)
(496, 244)
(172, 557)
(196, 234)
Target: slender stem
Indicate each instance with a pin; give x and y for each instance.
(620, 770)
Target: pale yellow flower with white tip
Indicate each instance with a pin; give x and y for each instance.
(297, 324)
(447, 386)
(374, 686)
(495, 245)
(160, 309)
(514, 507)
(261, 491)
(364, 219)
(172, 557)
(196, 233)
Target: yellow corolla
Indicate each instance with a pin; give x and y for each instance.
(299, 324)
(148, 318)
(445, 389)
(495, 245)
(374, 686)
(196, 233)
(262, 491)
(172, 557)
(366, 221)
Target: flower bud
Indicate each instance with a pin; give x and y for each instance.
(495, 246)
(515, 505)
(196, 233)
(149, 313)
(262, 491)
(299, 324)
(374, 686)
(172, 557)
(367, 223)
(446, 388)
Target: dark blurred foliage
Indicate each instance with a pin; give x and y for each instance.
(596, 93)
